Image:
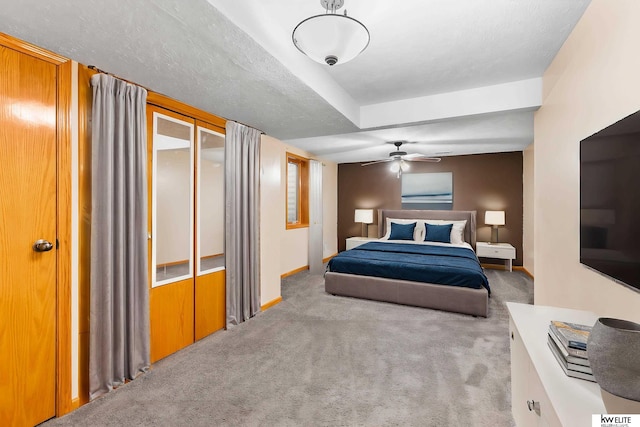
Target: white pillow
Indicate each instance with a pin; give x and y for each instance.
(457, 231)
(418, 232)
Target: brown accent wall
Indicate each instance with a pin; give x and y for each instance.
(481, 182)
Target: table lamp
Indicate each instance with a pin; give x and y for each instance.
(495, 219)
(364, 216)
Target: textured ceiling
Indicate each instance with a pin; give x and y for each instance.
(184, 49)
(423, 47)
(237, 60)
(420, 48)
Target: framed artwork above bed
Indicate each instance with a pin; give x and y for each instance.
(433, 191)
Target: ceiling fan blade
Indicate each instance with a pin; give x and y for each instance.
(413, 156)
(425, 159)
(376, 161)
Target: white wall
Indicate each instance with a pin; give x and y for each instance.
(295, 249)
(272, 214)
(528, 208)
(211, 207)
(330, 209)
(173, 202)
(173, 210)
(282, 250)
(295, 242)
(593, 81)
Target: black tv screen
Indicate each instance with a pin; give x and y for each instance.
(610, 201)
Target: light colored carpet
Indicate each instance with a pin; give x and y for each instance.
(318, 359)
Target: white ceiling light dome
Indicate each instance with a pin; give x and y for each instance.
(331, 38)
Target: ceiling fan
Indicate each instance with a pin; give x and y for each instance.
(400, 158)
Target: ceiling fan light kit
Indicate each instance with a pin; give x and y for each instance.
(400, 160)
(398, 166)
(331, 38)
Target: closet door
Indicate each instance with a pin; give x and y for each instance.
(172, 228)
(210, 267)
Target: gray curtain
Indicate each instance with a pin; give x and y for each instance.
(316, 243)
(119, 301)
(242, 222)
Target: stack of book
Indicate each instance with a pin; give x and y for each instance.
(568, 343)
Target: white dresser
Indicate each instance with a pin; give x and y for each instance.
(541, 393)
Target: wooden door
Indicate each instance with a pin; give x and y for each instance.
(27, 214)
(210, 262)
(171, 295)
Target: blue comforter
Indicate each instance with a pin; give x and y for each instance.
(444, 265)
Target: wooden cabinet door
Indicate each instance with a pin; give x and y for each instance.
(27, 214)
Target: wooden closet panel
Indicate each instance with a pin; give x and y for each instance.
(85, 104)
(171, 308)
(210, 303)
(195, 307)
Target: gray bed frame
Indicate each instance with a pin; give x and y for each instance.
(441, 297)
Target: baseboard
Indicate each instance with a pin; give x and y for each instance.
(495, 266)
(292, 272)
(524, 270)
(505, 268)
(271, 303)
(327, 259)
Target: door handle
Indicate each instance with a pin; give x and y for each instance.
(42, 246)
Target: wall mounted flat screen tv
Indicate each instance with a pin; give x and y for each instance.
(610, 201)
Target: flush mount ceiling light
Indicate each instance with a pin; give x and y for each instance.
(331, 38)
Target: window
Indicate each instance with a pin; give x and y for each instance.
(297, 191)
(293, 192)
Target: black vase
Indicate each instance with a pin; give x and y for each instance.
(613, 350)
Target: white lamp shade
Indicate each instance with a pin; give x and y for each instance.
(364, 215)
(494, 218)
(331, 35)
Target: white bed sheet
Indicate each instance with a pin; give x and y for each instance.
(413, 242)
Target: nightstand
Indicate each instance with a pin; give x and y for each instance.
(497, 250)
(352, 242)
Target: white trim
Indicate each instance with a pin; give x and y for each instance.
(212, 270)
(198, 151)
(523, 95)
(154, 192)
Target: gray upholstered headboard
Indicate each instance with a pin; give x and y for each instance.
(469, 229)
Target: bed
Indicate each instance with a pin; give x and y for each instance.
(421, 275)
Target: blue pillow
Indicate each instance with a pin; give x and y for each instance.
(438, 233)
(402, 231)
